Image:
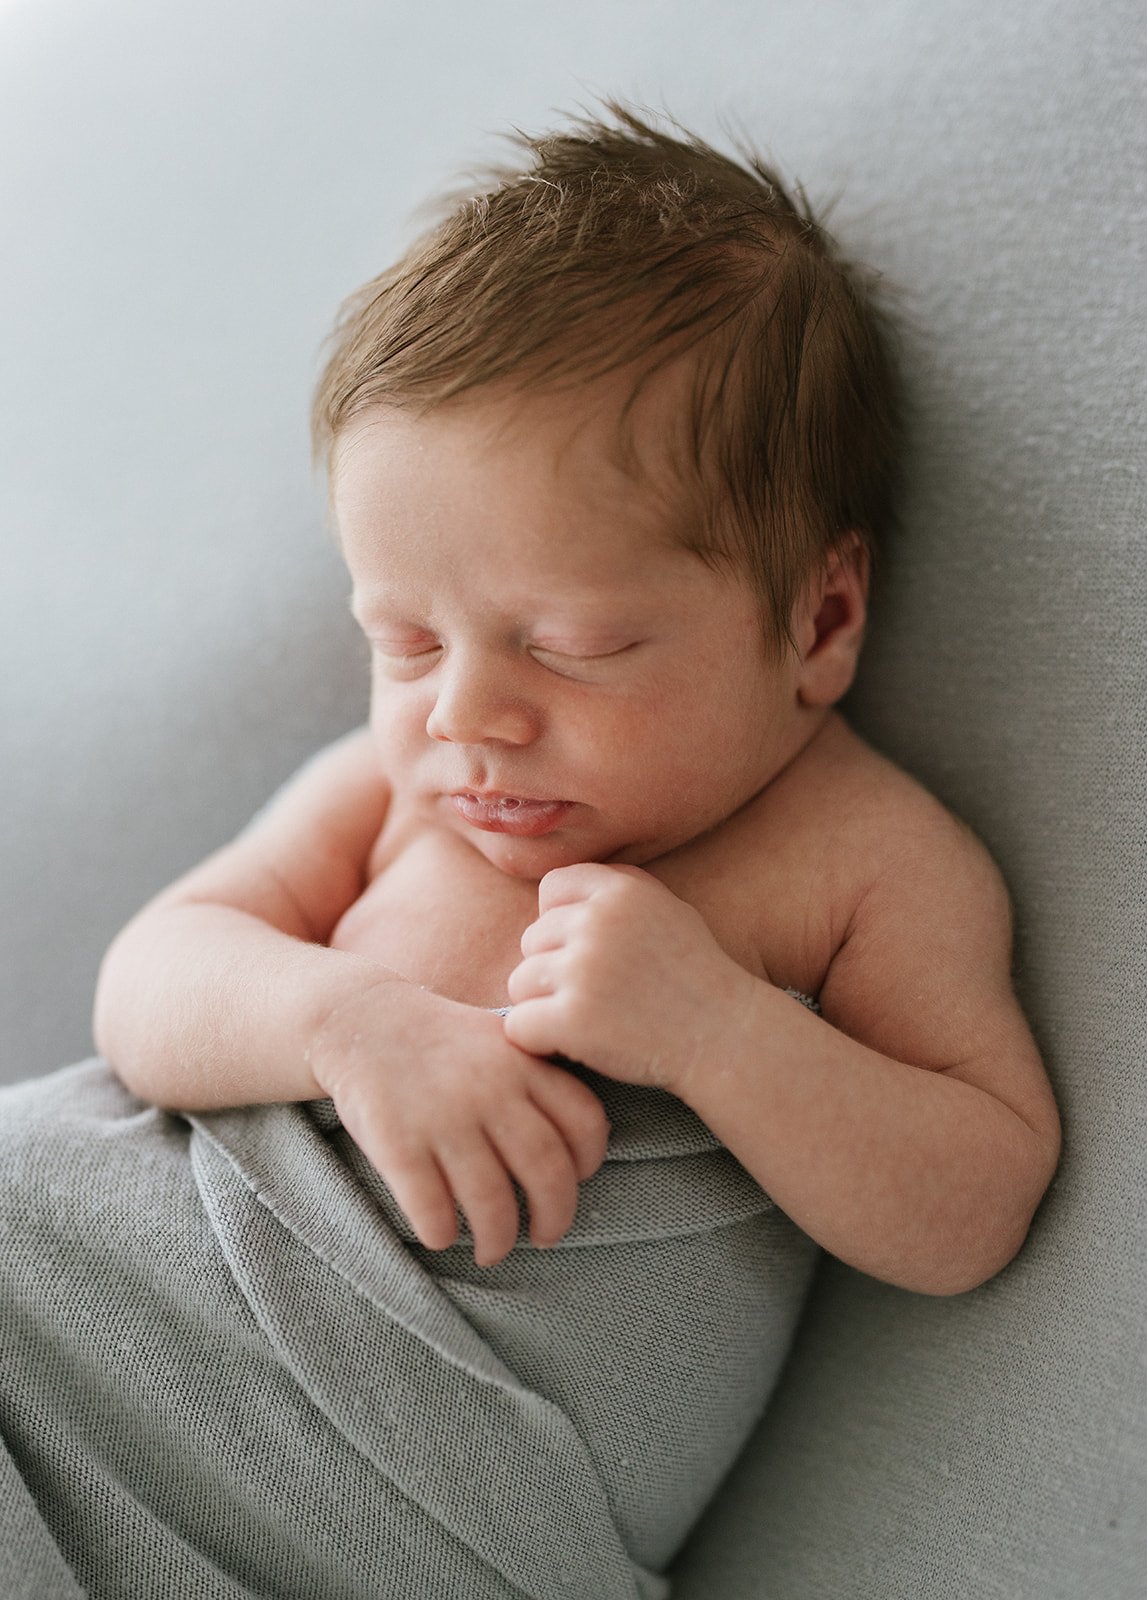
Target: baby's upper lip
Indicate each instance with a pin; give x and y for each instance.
(480, 793)
(490, 792)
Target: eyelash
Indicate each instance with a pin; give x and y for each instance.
(400, 662)
(589, 655)
(403, 659)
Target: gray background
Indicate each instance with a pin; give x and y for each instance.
(186, 193)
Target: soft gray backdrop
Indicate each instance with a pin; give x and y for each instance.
(186, 191)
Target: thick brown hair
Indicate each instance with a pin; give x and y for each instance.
(616, 244)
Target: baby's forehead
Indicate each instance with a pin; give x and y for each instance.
(619, 444)
(515, 510)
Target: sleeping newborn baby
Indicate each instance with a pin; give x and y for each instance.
(609, 452)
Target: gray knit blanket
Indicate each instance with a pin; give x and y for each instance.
(228, 1368)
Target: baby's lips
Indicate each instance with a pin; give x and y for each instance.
(513, 814)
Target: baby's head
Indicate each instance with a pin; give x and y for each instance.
(618, 248)
(609, 450)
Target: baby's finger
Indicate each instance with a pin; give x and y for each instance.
(530, 1023)
(566, 885)
(576, 1112)
(533, 978)
(482, 1187)
(539, 1157)
(424, 1197)
(550, 931)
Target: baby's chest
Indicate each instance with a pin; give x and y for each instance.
(442, 916)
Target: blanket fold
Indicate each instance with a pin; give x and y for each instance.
(227, 1367)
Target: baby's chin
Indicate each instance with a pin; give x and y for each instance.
(531, 859)
(584, 836)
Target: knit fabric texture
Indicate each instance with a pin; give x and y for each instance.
(227, 1366)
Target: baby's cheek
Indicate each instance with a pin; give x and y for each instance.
(398, 719)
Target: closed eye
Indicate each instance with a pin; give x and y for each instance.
(580, 653)
(405, 660)
(579, 662)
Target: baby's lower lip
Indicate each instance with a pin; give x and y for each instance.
(507, 813)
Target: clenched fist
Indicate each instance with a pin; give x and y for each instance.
(620, 973)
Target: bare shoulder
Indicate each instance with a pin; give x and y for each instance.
(880, 846)
(341, 792)
(923, 969)
(896, 838)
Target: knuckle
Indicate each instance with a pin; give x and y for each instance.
(619, 887)
(551, 884)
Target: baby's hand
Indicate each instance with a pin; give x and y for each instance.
(449, 1113)
(620, 973)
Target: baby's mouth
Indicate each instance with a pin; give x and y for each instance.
(509, 813)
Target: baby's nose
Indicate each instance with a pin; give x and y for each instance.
(473, 707)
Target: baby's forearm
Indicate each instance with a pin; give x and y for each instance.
(199, 1006)
(908, 1175)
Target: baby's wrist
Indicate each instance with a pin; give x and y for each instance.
(376, 1018)
(347, 1027)
(700, 1050)
(748, 1013)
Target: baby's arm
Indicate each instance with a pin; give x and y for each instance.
(212, 992)
(912, 1131)
(222, 992)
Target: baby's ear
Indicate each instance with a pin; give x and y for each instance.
(830, 620)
